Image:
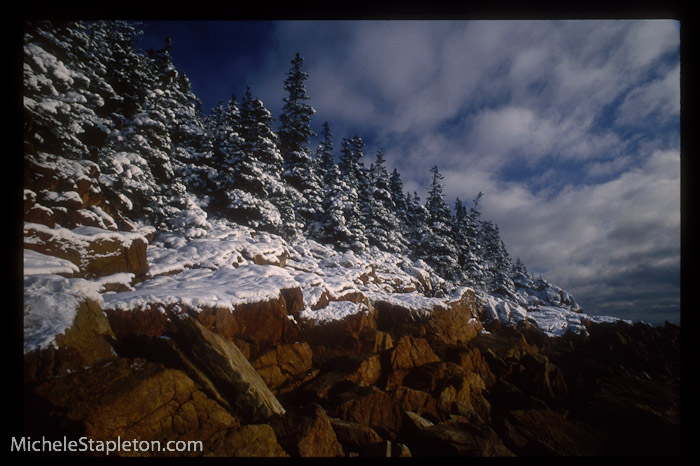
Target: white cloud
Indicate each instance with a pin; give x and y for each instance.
(659, 98)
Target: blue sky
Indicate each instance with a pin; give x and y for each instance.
(571, 129)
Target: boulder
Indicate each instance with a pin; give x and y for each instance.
(440, 321)
(417, 401)
(457, 439)
(252, 440)
(95, 251)
(453, 388)
(409, 352)
(547, 433)
(337, 337)
(284, 364)
(228, 370)
(268, 321)
(87, 341)
(255, 326)
(307, 432)
(355, 437)
(369, 406)
(128, 399)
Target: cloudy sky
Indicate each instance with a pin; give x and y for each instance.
(571, 129)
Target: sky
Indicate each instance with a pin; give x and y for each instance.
(570, 129)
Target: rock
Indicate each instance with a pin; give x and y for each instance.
(129, 399)
(267, 322)
(547, 432)
(86, 342)
(282, 364)
(260, 324)
(367, 372)
(416, 401)
(459, 439)
(369, 406)
(443, 321)
(153, 321)
(307, 432)
(253, 440)
(450, 384)
(340, 337)
(471, 360)
(95, 251)
(227, 369)
(409, 352)
(355, 437)
(537, 376)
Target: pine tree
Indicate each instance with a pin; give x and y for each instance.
(520, 276)
(438, 249)
(62, 91)
(399, 198)
(333, 227)
(353, 173)
(417, 225)
(255, 193)
(496, 261)
(473, 253)
(295, 134)
(381, 222)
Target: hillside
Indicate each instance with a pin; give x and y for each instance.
(193, 277)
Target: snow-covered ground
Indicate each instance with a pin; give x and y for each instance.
(233, 265)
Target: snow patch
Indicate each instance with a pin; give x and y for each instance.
(50, 305)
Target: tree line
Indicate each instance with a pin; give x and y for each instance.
(90, 94)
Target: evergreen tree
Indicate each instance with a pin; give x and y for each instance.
(255, 193)
(438, 249)
(496, 261)
(399, 198)
(382, 224)
(62, 91)
(295, 134)
(520, 276)
(417, 222)
(337, 200)
(473, 253)
(352, 172)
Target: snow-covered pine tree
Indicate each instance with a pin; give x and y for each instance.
(353, 173)
(333, 228)
(255, 185)
(399, 198)
(294, 137)
(224, 124)
(417, 224)
(63, 90)
(497, 263)
(520, 276)
(438, 248)
(135, 159)
(473, 253)
(382, 225)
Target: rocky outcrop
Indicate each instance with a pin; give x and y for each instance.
(285, 366)
(226, 369)
(409, 352)
(306, 431)
(131, 399)
(267, 322)
(449, 321)
(86, 342)
(97, 252)
(254, 326)
(456, 437)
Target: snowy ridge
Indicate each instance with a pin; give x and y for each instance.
(218, 271)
